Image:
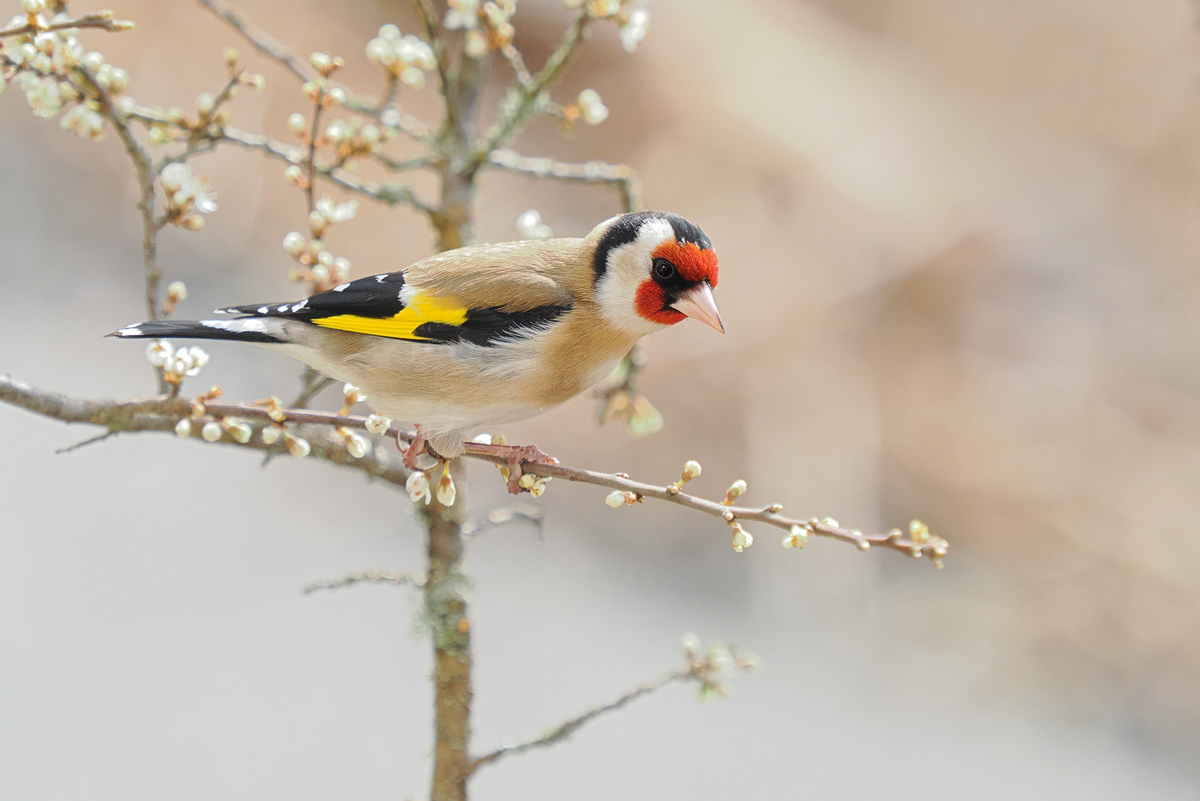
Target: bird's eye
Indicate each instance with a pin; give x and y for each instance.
(663, 269)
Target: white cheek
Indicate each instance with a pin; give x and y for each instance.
(628, 267)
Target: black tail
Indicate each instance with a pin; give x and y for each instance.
(242, 329)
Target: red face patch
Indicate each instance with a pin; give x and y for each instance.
(651, 302)
(692, 263)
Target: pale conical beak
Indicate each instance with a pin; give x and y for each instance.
(698, 304)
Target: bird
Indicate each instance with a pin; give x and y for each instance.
(486, 334)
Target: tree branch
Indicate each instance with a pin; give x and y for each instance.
(158, 414)
(361, 577)
(500, 517)
(96, 19)
(591, 172)
(566, 729)
(264, 42)
(527, 96)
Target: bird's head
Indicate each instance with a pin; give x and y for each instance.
(652, 270)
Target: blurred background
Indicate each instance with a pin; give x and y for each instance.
(959, 242)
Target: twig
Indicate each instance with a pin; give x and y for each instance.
(591, 172)
(361, 577)
(311, 384)
(390, 194)
(161, 415)
(97, 19)
(144, 170)
(86, 442)
(509, 514)
(518, 64)
(527, 98)
(264, 42)
(565, 730)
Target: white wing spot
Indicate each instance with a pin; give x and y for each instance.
(282, 309)
(379, 278)
(263, 310)
(339, 288)
(236, 326)
(130, 331)
(299, 305)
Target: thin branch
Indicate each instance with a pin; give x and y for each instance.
(390, 194)
(86, 442)
(361, 577)
(311, 383)
(96, 19)
(527, 97)
(518, 65)
(500, 517)
(264, 42)
(591, 172)
(144, 169)
(161, 415)
(569, 727)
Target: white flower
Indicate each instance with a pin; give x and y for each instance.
(356, 446)
(185, 191)
(158, 352)
(530, 226)
(635, 29)
(446, 492)
(418, 486)
(211, 431)
(238, 429)
(797, 537)
(43, 94)
(591, 107)
(378, 424)
(298, 447)
(271, 434)
(337, 213)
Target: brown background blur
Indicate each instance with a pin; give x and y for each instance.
(959, 242)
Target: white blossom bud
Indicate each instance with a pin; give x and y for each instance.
(183, 428)
(320, 273)
(591, 107)
(477, 44)
(635, 29)
(352, 394)
(356, 446)
(482, 439)
(378, 424)
(298, 447)
(340, 270)
(238, 429)
(294, 243)
(191, 222)
(736, 490)
(33, 6)
(211, 431)
(412, 76)
(377, 50)
(297, 123)
(389, 31)
(530, 226)
(293, 175)
(231, 56)
(321, 62)
(690, 643)
(741, 538)
(616, 499)
(539, 486)
(271, 434)
(255, 80)
(797, 537)
(173, 176)
(204, 103)
(446, 492)
(176, 291)
(691, 469)
(418, 486)
(337, 94)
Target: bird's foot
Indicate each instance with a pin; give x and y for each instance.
(517, 456)
(413, 449)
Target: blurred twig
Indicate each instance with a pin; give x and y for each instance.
(591, 172)
(361, 577)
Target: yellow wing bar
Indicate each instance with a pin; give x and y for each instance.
(420, 310)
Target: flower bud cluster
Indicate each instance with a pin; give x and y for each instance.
(378, 425)
(418, 487)
(175, 364)
(188, 196)
(354, 137)
(488, 25)
(742, 539)
(403, 57)
(587, 107)
(318, 266)
(797, 537)
(356, 444)
(176, 294)
(535, 485)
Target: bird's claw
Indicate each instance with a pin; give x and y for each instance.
(517, 456)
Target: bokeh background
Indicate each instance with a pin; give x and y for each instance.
(960, 243)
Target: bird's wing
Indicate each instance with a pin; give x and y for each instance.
(483, 295)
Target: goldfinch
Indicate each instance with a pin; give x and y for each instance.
(487, 334)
